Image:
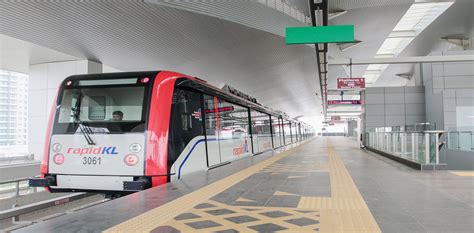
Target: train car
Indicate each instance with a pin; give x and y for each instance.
(125, 132)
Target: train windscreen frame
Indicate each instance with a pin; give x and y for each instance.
(109, 105)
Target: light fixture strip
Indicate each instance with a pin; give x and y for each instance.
(420, 14)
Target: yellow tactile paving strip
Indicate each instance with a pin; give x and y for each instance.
(463, 173)
(345, 211)
(156, 217)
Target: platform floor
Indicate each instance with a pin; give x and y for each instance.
(325, 185)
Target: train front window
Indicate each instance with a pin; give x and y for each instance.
(104, 109)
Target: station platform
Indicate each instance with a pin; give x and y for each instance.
(327, 184)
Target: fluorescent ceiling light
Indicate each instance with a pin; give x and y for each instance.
(418, 17)
(378, 67)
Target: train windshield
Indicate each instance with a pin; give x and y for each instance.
(118, 108)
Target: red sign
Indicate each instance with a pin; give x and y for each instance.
(343, 102)
(222, 109)
(335, 118)
(350, 83)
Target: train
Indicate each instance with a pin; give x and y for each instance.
(126, 132)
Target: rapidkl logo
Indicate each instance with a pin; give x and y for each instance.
(103, 150)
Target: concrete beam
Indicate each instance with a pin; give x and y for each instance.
(401, 60)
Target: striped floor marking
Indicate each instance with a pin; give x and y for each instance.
(463, 173)
(156, 217)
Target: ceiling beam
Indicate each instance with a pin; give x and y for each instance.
(401, 60)
(335, 14)
(319, 17)
(346, 46)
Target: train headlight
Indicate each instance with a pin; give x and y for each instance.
(130, 160)
(58, 159)
(57, 147)
(135, 148)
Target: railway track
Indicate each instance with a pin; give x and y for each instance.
(22, 216)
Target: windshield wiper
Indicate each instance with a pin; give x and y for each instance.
(84, 126)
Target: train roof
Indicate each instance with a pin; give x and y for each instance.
(189, 81)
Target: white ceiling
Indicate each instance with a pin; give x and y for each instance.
(17, 55)
(133, 35)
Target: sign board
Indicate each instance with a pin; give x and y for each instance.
(335, 118)
(320, 34)
(350, 83)
(238, 93)
(344, 102)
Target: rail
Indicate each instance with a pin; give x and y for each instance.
(17, 211)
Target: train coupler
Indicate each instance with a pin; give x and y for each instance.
(41, 182)
(137, 185)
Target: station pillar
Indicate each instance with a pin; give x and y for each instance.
(44, 80)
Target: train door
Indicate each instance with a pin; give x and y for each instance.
(212, 130)
(186, 141)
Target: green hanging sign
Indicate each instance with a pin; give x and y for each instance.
(320, 34)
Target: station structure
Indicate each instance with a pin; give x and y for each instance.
(237, 116)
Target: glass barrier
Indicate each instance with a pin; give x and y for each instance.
(461, 138)
(418, 146)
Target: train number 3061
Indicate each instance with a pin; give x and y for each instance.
(91, 160)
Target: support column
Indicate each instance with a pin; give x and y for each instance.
(44, 80)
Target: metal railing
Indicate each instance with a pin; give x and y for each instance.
(422, 147)
(17, 187)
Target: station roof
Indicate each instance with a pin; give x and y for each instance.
(142, 35)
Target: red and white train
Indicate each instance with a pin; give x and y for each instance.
(124, 132)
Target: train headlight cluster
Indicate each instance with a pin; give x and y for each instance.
(57, 147)
(130, 160)
(135, 148)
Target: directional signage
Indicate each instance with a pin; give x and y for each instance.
(320, 34)
(350, 83)
(344, 102)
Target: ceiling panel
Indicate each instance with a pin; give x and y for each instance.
(133, 35)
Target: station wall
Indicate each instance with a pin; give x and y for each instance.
(393, 106)
(449, 91)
